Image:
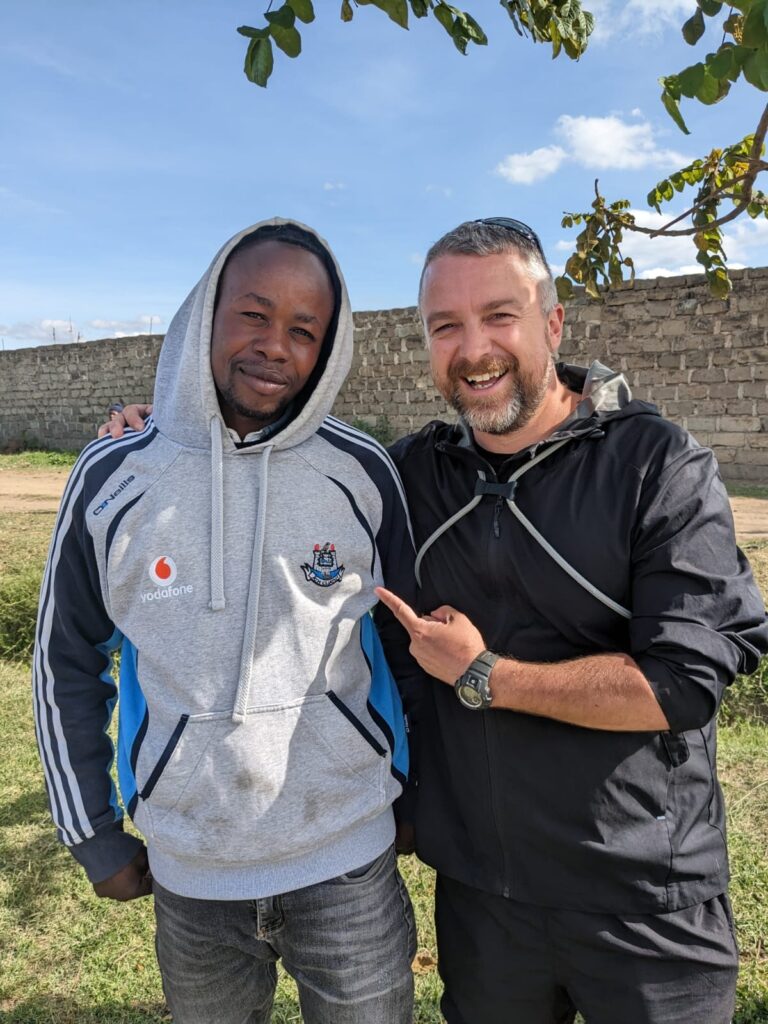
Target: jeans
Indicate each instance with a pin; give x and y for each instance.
(347, 942)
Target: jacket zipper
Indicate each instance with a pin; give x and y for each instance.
(494, 809)
(497, 517)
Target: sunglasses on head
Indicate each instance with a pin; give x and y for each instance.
(515, 226)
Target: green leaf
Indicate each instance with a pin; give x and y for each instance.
(719, 283)
(253, 33)
(443, 14)
(283, 17)
(755, 31)
(420, 8)
(397, 10)
(709, 90)
(259, 61)
(719, 64)
(288, 39)
(710, 7)
(691, 79)
(591, 287)
(303, 10)
(672, 108)
(564, 289)
(693, 29)
(346, 10)
(756, 69)
(476, 33)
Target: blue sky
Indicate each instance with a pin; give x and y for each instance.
(132, 146)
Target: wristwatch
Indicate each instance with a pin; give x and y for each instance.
(472, 687)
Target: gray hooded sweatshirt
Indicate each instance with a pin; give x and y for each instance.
(261, 737)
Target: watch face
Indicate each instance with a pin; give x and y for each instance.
(468, 695)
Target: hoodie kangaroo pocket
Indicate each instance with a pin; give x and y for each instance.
(283, 782)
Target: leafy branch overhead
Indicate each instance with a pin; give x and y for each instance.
(723, 182)
(562, 23)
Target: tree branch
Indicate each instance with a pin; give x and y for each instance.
(755, 164)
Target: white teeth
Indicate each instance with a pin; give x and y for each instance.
(480, 378)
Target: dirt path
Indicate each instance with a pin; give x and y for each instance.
(31, 490)
(39, 490)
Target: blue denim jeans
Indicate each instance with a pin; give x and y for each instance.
(348, 943)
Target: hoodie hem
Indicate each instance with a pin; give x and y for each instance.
(253, 882)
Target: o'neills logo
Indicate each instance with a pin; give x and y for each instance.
(163, 572)
(111, 497)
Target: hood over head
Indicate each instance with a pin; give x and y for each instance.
(185, 399)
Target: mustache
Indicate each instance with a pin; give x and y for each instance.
(465, 368)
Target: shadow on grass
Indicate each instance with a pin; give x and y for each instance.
(37, 872)
(752, 1010)
(25, 810)
(63, 1010)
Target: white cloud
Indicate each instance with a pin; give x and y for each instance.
(144, 323)
(637, 18)
(334, 186)
(527, 168)
(13, 203)
(416, 258)
(444, 190)
(609, 142)
(746, 244)
(592, 142)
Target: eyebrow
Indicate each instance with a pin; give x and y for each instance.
(489, 307)
(262, 300)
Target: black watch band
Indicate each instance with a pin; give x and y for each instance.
(472, 687)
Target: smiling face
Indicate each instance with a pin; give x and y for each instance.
(490, 343)
(273, 310)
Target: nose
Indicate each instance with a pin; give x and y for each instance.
(272, 341)
(474, 342)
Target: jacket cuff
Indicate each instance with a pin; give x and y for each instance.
(107, 852)
(687, 703)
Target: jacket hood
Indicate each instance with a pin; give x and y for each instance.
(185, 399)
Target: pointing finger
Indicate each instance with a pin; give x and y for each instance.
(403, 612)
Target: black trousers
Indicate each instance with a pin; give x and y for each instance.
(504, 962)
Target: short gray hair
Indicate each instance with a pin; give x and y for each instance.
(481, 238)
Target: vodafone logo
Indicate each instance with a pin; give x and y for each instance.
(163, 571)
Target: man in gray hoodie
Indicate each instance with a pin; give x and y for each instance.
(230, 552)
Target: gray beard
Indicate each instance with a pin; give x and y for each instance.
(526, 397)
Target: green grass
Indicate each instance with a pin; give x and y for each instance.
(38, 460)
(747, 490)
(68, 958)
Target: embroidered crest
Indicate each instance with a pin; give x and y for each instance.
(325, 569)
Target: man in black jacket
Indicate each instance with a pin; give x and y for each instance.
(583, 597)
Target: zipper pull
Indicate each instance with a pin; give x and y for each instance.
(497, 517)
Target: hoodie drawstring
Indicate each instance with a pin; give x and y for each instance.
(218, 601)
(254, 591)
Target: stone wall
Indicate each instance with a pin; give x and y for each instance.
(703, 361)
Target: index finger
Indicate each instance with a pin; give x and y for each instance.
(403, 612)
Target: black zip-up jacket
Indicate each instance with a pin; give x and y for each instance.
(538, 810)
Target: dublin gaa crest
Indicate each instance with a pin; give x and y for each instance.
(325, 569)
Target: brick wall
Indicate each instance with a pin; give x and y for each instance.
(703, 361)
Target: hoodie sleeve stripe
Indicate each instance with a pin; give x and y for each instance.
(55, 621)
(382, 471)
